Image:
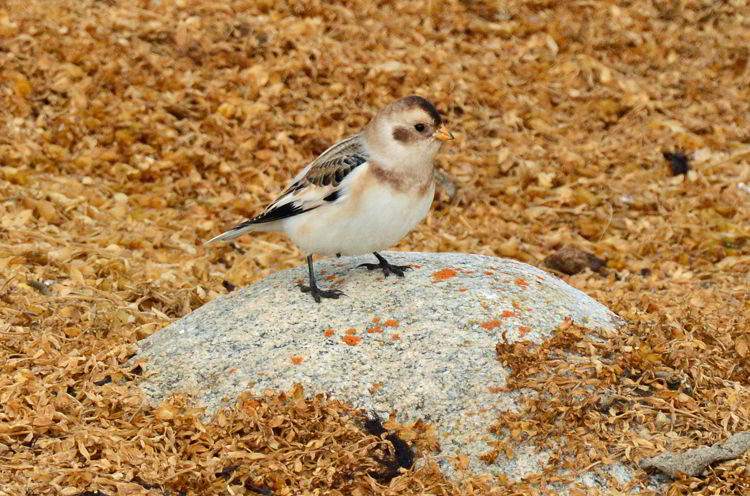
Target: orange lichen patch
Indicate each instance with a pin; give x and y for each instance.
(491, 324)
(375, 329)
(496, 389)
(462, 290)
(351, 332)
(375, 320)
(523, 330)
(395, 337)
(488, 273)
(444, 274)
(340, 281)
(374, 388)
(351, 340)
(330, 277)
(391, 323)
(329, 332)
(296, 360)
(507, 313)
(516, 305)
(415, 266)
(521, 282)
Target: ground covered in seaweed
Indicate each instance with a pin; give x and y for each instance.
(133, 131)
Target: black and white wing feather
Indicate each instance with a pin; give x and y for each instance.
(321, 182)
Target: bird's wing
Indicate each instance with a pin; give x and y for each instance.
(321, 182)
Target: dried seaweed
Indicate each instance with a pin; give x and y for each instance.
(133, 132)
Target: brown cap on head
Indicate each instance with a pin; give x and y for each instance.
(417, 101)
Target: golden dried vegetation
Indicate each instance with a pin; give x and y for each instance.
(132, 131)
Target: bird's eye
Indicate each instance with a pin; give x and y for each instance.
(419, 127)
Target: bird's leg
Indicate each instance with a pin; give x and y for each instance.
(313, 288)
(387, 267)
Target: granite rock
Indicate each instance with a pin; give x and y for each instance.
(422, 346)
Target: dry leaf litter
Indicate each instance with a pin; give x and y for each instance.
(133, 131)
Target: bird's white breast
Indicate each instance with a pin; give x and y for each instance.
(373, 216)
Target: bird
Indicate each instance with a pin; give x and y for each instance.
(361, 195)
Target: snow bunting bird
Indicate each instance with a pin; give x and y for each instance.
(363, 194)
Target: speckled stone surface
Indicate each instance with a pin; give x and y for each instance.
(422, 346)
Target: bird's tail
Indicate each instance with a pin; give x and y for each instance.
(236, 231)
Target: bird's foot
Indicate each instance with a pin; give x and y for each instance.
(318, 293)
(387, 268)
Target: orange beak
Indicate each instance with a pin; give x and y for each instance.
(443, 134)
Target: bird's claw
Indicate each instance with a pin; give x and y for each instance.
(318, 293)
(387, 268)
